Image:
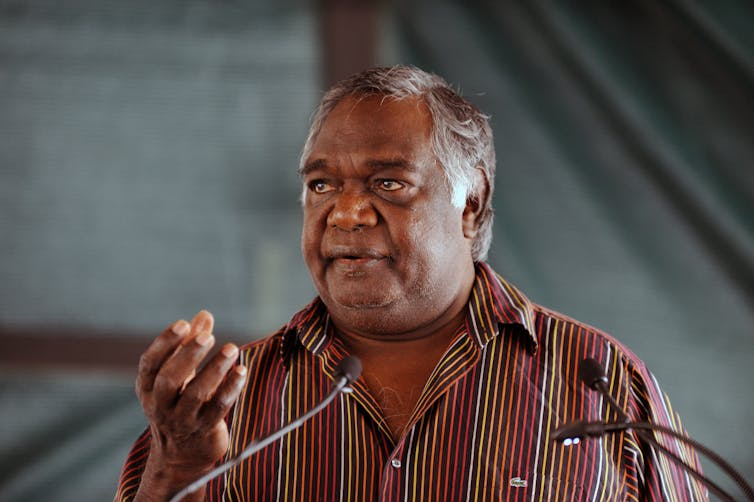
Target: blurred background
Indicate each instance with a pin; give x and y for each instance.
(147, 170)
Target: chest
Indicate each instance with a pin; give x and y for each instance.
(396, 382)
(478, 431)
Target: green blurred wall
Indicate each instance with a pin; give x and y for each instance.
(147, 170)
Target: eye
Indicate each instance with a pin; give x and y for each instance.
(320, 186)
(389, 185)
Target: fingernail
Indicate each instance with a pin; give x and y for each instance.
(199, 322)
(204, 338)
(240, 370)
(181, 328)
(205, 317)
(229, 351)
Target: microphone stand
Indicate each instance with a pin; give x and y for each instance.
(592, 374)
(348, 370)
(598, 428)
(647, 436)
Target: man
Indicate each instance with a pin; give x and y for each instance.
(464, 379)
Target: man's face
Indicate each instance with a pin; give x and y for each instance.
(385, 248)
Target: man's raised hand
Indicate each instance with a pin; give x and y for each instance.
(185, 405)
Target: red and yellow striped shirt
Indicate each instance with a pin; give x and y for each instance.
(480, 430)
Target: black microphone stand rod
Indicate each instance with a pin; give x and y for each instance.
(347, 371)
(589, 427)
(593, 375)
(601, 387)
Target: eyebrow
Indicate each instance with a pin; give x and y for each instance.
(311, 166)
(375, 164)
(397, 162)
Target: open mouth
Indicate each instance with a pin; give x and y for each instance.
(355, 255)
(356, 259)
(352, 260)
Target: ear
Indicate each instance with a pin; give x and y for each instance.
(475, 203)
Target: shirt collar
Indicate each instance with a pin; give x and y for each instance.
(493, 301)
(310, 327)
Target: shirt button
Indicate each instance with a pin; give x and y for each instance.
(396, 463)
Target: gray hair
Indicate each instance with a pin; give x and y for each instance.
(461, 134)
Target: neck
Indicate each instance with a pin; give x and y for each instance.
(438, 334)
(396, 368)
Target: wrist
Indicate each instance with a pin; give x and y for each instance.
(162, 479)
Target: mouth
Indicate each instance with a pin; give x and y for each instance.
(355, 256)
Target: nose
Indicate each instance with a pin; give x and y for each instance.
(352, 211)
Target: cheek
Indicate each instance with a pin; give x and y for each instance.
(421, 243)
(311, 236)
(438, 235)
(439, 222)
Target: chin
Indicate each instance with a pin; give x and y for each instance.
(357, 292)
(356, 303)
(361, 310)
(366, 319)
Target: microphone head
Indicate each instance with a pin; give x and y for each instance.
(350, 368)
(592, 373)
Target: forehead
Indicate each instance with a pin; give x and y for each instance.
(375, 124)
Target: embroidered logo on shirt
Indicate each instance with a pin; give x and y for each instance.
(518, 482)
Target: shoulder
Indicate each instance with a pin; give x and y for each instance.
(267, 343)
(564, 342)
(555, 329)
(268, 349)
(276, 349)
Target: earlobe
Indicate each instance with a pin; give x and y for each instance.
(475, 203)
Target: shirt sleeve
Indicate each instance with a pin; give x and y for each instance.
(130, 476)
(663, 478)
(133, 468)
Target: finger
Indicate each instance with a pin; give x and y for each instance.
(227, 393)
(157, 353)
(202, 321)
(179, 367)
(203, 386)
(188, 380)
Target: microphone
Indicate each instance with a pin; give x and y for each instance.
(591, 373)
(593, 376)
(347, 371)
(350, 368)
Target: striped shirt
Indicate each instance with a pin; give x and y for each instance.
(480, 430)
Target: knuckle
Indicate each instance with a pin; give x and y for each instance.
(225, 398)
(191, 399)
(165, 384)
(215, 408)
